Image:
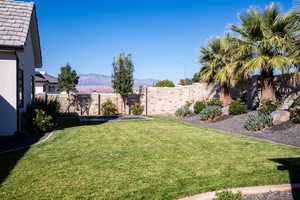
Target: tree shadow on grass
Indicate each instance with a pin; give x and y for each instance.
(292, 165)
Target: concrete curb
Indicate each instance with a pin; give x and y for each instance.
(245, 191)
(40, 141)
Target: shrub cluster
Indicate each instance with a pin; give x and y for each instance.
(215, 102)
(237, 108)
(258, 122)
(137, 109)
(295, 111)
(183, 111)
(210, 112)
(41, 115)
(108, 108)
(199, 106)
(228, 195)
(268, 106)
(43, 122)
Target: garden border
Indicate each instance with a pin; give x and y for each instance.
(245, 191)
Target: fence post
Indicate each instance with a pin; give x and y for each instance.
(99, 104)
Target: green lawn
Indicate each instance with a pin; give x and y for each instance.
(159, 159)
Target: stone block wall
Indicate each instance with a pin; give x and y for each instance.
(156, 100)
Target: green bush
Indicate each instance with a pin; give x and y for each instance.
(237, 108)
(228, 195)
(215, 102)
(109, 108)
(164, 83)
(295, 115)
(183, 111)
(268, 106)
(137, 109)
(210, 112)
(42, 122)
(50, 107)
(258, 122)
(296, 103)
(199, 106)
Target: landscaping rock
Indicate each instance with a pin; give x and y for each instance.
(225, 110)
(288, 102)
(280, 116)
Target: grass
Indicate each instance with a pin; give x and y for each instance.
(159, 159)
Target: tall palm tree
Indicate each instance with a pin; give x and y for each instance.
(218, 65)
(269, 43)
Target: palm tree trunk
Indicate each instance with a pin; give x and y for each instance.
(267, 85)
(225, 95)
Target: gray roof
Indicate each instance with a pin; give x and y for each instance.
(15, 17)
(44, 77)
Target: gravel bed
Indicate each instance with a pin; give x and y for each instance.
(286, 133)
(271, 196)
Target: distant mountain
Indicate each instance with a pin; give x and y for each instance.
(102, 83)
(104, 80)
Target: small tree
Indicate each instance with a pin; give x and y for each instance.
(122, 76)
(164, 83)
(67, 79)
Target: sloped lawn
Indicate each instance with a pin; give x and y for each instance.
(159, 159)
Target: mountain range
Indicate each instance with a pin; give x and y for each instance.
(102, 83)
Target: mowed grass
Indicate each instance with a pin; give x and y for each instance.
(159, 159)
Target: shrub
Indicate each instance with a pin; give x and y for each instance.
(50, 107)
(109, 108)
(164, 83)
(199, 106)
(296, 103)
(42, 122)
(137, 109)
(268, 106)
(295, 115)
(183, 111)
(210, 112)
(228, 195)
(237, 108)
(215, 102)
(258, 122)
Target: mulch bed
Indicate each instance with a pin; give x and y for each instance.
(286, 133)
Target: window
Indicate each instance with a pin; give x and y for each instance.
(21, 88)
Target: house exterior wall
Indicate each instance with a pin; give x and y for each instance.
(39, 89)
(8, 94)
(27, 64)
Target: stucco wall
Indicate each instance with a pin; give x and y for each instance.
(27, 64)
(8, 101)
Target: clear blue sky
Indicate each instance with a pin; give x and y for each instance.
(164, 36)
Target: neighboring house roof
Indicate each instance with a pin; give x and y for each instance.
(44, 77)
(17, 18)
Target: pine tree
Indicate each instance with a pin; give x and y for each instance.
(67, 79)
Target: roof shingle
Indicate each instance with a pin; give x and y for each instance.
(15, 19)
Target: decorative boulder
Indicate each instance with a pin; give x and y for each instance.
(280, 116)
(225, 110)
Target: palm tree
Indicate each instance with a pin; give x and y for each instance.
(269, 44)
(219, 65)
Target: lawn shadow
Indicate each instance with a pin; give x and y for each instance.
(8, 162)
(292, 165)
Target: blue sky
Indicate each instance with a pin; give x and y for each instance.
(164, 36)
